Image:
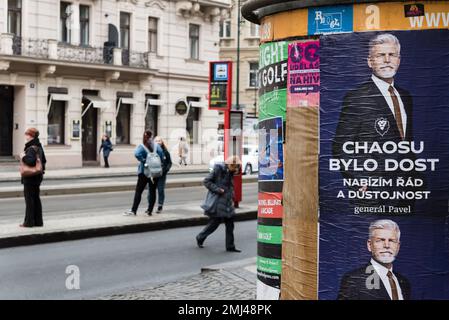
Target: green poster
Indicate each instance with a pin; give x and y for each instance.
(273, 80)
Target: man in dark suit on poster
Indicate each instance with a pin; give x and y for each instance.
(377, 280)
(378, 111)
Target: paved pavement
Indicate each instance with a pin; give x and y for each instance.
(227, 283)
(87, 215)
(122, 264)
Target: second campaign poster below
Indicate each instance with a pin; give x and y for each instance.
(384, 166)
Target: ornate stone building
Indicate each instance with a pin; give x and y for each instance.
(78, 69)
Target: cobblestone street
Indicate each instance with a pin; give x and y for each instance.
(225, 284)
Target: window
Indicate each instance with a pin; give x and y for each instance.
(64, 21)
(253, 70)
(194, 37)
(152, 34)
(56, 122)
(192, 121)
(84, 25)
(254, 30)
(123, 124)
(225, 29)
(125, 27)
(152, 114)
(15, 17)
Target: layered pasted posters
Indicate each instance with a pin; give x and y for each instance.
(273, 103)
(384, 166)
(303, 83)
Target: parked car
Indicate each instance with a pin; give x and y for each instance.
(250, 161)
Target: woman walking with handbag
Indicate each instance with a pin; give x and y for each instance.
(32, 168)
(141, 154)
(219, 205)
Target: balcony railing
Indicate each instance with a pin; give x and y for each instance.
(54, 50)
(80, 54)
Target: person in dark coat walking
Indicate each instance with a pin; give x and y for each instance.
(31, 185)
(166, 166)
(221, 181)
(106, 146)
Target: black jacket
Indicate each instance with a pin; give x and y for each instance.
(353, 286)
(362, 110)
(166, 162)
(30, 159)
(222, 178)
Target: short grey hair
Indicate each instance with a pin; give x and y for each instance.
(384, 224)
(384, 38)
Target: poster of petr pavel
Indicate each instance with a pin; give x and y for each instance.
(384, 166)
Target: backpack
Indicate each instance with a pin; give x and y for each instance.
(153, 164)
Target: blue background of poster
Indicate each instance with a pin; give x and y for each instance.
(424, 72)
(342, 14)
(266, 161)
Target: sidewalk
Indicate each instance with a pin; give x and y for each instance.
(233, 281)
(11, 173)
(80, 225)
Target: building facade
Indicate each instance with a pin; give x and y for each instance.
(249, 65)
(83, 68)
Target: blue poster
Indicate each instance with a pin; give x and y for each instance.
(271, 157)
(322, 20)
(220, 72)
(384, 166)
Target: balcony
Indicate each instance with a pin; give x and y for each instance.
(54, 50)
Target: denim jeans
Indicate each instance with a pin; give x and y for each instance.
(160, 191)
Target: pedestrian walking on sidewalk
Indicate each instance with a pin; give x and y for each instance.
(142, 153)
(219, 204)
(182, 151)
(32, 170)
(106, 146)
(166, 166)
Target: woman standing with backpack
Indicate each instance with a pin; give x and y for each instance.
(141, 153)
(166, 165)
(32, 157)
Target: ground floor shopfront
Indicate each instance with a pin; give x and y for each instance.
(72, 114)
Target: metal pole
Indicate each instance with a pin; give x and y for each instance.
(237, 93)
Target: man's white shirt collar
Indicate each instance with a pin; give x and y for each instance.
(382, 272)
(383, 87)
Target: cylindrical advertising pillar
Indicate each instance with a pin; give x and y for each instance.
(354, 149)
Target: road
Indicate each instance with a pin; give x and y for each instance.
(100, 203)
(115, 264)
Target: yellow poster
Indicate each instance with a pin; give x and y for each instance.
(392, 16)
(284, 25)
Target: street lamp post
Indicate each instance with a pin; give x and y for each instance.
(237, 88)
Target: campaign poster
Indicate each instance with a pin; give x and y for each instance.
(303, 86)
(384, 166)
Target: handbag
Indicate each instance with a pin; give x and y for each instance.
(27, 171)
(210, 203)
